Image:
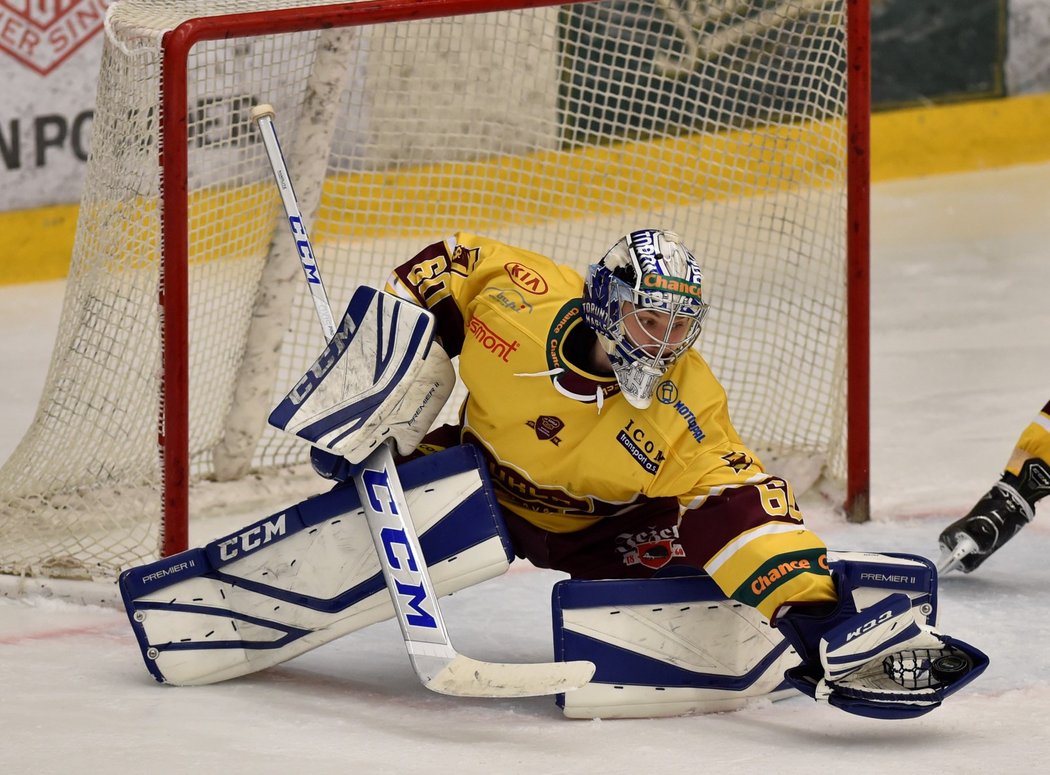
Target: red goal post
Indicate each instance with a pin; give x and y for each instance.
(557, 126)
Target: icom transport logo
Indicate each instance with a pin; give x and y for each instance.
(42, 34)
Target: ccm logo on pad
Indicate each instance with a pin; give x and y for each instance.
(252, 538)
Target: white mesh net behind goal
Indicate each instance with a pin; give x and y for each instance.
(556, 128)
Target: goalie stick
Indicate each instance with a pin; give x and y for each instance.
(439, 666)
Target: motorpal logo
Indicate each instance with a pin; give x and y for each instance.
(42, 34)
(667, 393)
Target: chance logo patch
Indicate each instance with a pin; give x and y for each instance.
(42, 34)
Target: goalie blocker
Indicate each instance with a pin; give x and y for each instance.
(381, 377)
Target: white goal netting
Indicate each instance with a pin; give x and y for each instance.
(557, 128)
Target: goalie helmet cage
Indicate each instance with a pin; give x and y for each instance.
(740, 125)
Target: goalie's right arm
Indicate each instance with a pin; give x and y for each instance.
(425, 287)
(382, 376)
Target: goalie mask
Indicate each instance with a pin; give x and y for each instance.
(643, 301)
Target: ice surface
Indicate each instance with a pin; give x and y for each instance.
(960, 362)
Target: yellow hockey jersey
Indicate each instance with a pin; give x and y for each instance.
(565, 449)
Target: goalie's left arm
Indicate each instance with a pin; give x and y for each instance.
(874, 653)
(382, 376)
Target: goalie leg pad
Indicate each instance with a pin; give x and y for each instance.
(665, 647)
(307, 575)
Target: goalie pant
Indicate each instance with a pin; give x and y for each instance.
(640, 543)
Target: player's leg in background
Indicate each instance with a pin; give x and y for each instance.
(1007, 507)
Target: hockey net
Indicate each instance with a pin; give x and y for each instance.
(558, 128)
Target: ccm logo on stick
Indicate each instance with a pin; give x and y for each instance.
(398, 552)
(302, 244)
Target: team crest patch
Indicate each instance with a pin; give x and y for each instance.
(43, 35)
(547, 428)
(464, 258)
(738, 461)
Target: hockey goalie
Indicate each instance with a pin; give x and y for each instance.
(594, 440)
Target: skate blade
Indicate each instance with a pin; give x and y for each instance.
(952, 560)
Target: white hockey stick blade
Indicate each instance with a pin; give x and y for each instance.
(466, 677)
(949, 561)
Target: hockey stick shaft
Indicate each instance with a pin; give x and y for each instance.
(412, 591)
(376, 480)
(263, 116)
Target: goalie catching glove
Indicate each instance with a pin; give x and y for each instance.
(881, 661)
(382, 376)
